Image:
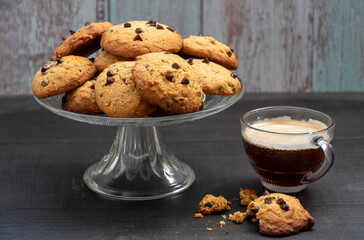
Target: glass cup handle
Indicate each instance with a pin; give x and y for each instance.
(327, 164)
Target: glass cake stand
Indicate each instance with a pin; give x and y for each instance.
(139, 166)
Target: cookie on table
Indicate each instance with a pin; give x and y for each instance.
(135, 38)
(82, 99)
(84, 41)
(216, 79)
(247, 195)
(167, 80)
(279, 214)
(117, 95)
(210, 204)
(62, 75)
(104, 59)
(208, 47)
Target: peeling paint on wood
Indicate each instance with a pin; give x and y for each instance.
(272, 40)
(338, 45)
(30, 31)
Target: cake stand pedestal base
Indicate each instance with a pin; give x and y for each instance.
(138, 167)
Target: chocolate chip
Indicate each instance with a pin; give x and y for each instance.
(198, 94)
(63, 38)
(284, 207)
(109, 81)
(43, 83)
(127, 25)
(146, 65)
(111, 30)
(59, 61)
(93, 86)
(152, 23)
(138, 38)
(171, 29)
(233, 88)
(44, 68)
(87, 23)
(234, 75)
(206, 60)
(209, 205)
(175, 65)
(190, 61)
(72, 32)
(101, 94)
(268, 200)
(254, 209)
(185, 81)
(169, 77)
(110, 73)
(232, 50)
(139, 30)
(281, 201)
(265, 193)
(160, 27)
(229, 53)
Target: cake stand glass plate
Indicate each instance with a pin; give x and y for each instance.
(139, 166)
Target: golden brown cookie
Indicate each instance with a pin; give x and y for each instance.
(117, 95)
(84, 41)
(208, 47)
(168, 81)
(82, 99)
(210, 204)
(247, 195)
(104, 59)
(279, 214)
(216, 79)
(62, 75)
(135, 38)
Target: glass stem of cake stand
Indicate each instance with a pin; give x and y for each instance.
(138, 167)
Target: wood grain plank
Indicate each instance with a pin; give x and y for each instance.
(272, 40)
(182, 15)
(338, 45)
(30, 30)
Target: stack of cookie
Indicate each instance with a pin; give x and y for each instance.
(145, 66)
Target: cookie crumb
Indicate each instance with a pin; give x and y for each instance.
(237, 217)
(254, 219)
(209, 229)
(222, 223)
(223, 216)
(198, 215)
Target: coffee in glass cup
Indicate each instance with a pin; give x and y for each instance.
(288, 147)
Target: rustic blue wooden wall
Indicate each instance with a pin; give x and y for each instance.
(282, 45)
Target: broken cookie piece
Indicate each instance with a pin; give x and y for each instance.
(210, 204)
(247, 195)
(237, 217)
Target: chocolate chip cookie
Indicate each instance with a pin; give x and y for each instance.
(62, 75)
(84, 41)
(168, 81)
(208, 47)
(117, 95)
(135, 38)
(104, 59)
(279, 214)
(216, 79)
(82, 99)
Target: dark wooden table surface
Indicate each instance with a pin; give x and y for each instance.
(43, 157)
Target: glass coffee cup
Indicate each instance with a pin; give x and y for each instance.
(289, 147)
